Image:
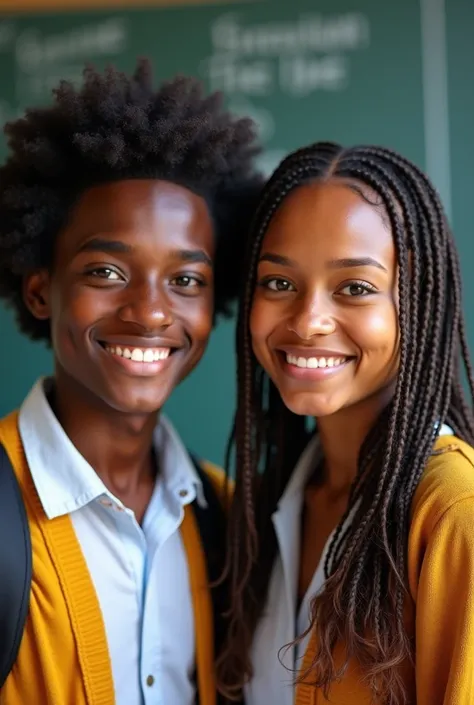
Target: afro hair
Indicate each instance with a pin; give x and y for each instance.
(118, 127)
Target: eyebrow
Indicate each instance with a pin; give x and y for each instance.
(356, 262)
(100, 244)
(347, 262)
(192, 256)
(277, 259)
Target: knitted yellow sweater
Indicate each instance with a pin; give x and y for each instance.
(440, 607)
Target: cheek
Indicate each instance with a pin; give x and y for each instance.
(200, 322)
(260, 328)
(198, 326)
(72, 316)
(378, 333)
(261, 319)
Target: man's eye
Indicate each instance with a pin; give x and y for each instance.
(104, 273)
(185, 280)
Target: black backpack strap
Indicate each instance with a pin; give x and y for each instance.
(15, 566)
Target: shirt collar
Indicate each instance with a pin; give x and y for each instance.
(303, 470)
(309, 459)
(63, 478)
(176, 467)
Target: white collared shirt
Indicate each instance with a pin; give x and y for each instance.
(274, 667)
(140, 573)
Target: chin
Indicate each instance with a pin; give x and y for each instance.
(136, 407)
(310, 405)
(135, 402)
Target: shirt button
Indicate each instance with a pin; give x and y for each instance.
(150, 680)
(183, 493)
(106, 502)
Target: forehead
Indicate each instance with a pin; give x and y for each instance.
(142, 208)
(329, 219)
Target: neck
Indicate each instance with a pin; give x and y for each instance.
(342, 436)
(117, 445)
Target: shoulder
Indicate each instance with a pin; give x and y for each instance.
(9, 433)
(448, 478)
(444, 499)
(9, 421)
(221, 484)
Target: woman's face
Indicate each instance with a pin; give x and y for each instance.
(324, 318)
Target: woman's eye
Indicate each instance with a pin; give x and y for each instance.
(278, 285)
(186, 281)
(105, 273)
(357, 289)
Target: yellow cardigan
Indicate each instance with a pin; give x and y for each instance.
(63, 657)
(441, 588)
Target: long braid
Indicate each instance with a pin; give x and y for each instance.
(365, 591)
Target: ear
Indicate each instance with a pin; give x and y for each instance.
(36, 294)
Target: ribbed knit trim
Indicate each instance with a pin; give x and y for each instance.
(203, 620)
(306, 693)
(71, 568)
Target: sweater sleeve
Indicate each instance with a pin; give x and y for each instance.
(444, 656)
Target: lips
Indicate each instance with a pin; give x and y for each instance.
(139, 356)
(314, 357)
(315, 362)
(136, 341)
(312, 363)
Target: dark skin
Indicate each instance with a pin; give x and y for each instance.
(327, 291)
(130, 300)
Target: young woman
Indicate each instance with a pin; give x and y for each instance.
(352, 567)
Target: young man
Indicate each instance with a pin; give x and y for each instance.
(122, 217)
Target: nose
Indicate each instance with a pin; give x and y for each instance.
(311, 317)
(147, 307)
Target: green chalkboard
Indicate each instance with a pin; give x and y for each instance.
(347, 70)
(460, 31)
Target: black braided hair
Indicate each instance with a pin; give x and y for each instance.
(118, 127)
(365, 568)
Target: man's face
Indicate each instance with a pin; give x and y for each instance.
(130, 293)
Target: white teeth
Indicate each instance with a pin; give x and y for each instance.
(315, 362)
(139, 354)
